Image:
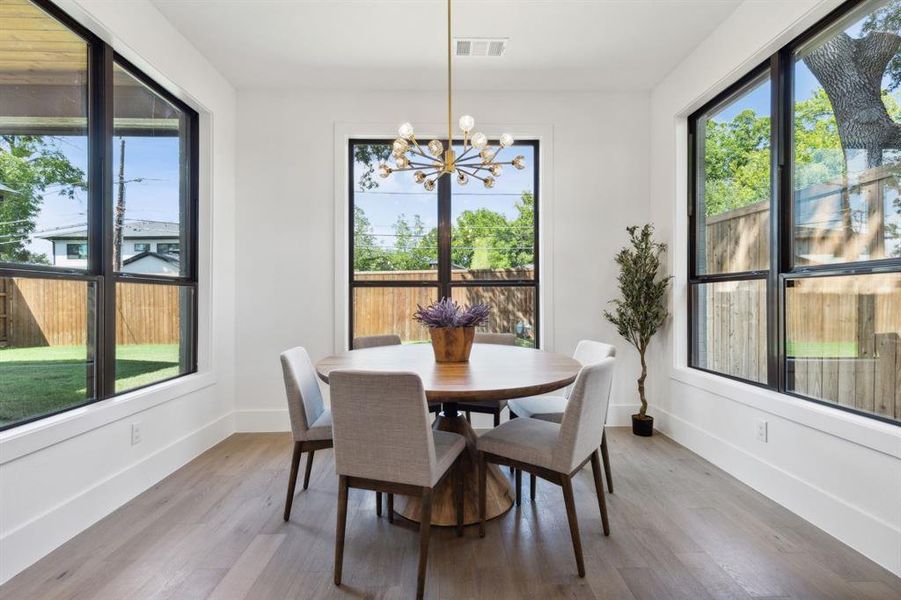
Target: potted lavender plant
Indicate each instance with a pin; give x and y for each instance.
(452, 327)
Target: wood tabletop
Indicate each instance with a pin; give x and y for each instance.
(492, 373)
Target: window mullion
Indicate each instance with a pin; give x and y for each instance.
(444, 235)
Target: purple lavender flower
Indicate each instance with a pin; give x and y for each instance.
(447, 313)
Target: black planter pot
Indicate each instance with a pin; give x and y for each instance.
(643, 427)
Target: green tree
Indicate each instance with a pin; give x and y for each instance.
(31, 165)
(368, 256)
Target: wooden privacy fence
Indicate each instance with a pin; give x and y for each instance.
(390, 309)
(54, 312)
(842, 333)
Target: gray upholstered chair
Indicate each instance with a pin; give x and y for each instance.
(556, 451)
(311, 421)
(383, 442)
(377, 341)
(500, 339)
(551, 408)
(374, 341)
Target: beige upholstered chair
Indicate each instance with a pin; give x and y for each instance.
(383, 442)
(311, 421)
(557, 451)
(551, 408)
(374, 341)
(499, 339)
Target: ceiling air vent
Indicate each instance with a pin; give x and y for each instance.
(481, 46)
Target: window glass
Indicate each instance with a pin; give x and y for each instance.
(383, 310)
(842, 341)
(493, 234)
(43, 137)
(729, 320)
(46, 363)
(847, 115)
(512, 309)
(77, 251)
(153, 333)
(149, 182)
(733, 211)
(142, 248)
(395, 221)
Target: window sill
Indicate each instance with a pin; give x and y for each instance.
(32, 437)
(870, 433)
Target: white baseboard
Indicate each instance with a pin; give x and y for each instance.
(866, 533)
(36, 538)
(276, 419)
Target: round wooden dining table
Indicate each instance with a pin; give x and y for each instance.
(493, 373)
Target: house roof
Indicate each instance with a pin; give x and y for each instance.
(133, 229)
(169, 258)
(7, 189)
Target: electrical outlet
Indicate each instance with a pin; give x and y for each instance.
(761, 431)
(135, 434)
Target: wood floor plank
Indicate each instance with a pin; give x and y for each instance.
(680, 528)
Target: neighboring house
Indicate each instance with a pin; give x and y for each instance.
(147, 247)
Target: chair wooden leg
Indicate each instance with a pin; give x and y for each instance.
(570, 502)
(606, 456)
(599, 490)
(518, 487)
(458, 493)
(378, 504)
(425, 530)
(391, 508)
(483, 484)
(309, 468)
(532, 486)
(292, 481)
(341, 526)
(497, 417)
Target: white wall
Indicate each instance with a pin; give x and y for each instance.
(286, 216)
(61, 474)
(840, 471)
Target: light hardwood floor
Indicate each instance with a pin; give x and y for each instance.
(680, 528)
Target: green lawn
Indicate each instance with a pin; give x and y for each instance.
(45, 379)
(821, 349)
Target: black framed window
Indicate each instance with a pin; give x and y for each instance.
(795, 218)
(409, 246)
(91, 149)
(141, 247)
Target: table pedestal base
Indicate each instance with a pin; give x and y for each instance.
(499, 495)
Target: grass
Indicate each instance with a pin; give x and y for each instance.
(41, 380)
(821, 349)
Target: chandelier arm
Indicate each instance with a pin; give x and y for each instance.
(418, 147)
(431, 165)
(466, 151)
(471, 174)
(419, 151)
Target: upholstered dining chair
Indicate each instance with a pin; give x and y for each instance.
(551, 408)
(499, 339)
(556, 451)
(375, 341)
(311, 421)
(383, 442)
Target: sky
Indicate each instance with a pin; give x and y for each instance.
(399, 193)
(156, 198)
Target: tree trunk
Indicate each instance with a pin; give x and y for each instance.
(850, 71)
(644, 375)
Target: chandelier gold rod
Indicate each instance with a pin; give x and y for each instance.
(471, 174)
(450, 140)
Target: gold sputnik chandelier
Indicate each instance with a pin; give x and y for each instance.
(479, 160)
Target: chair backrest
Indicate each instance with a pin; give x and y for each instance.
(302, 388)
(373, 341)
(499, 339)
(380, 427)
(589, 352)
(583, 421)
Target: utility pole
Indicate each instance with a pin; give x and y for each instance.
(120, 211)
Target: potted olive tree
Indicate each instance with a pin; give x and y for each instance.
(641, 309)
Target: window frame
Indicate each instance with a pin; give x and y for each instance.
(101, 337)
(444, 283)
(782, 268)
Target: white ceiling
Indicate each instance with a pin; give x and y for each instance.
(401, 44)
